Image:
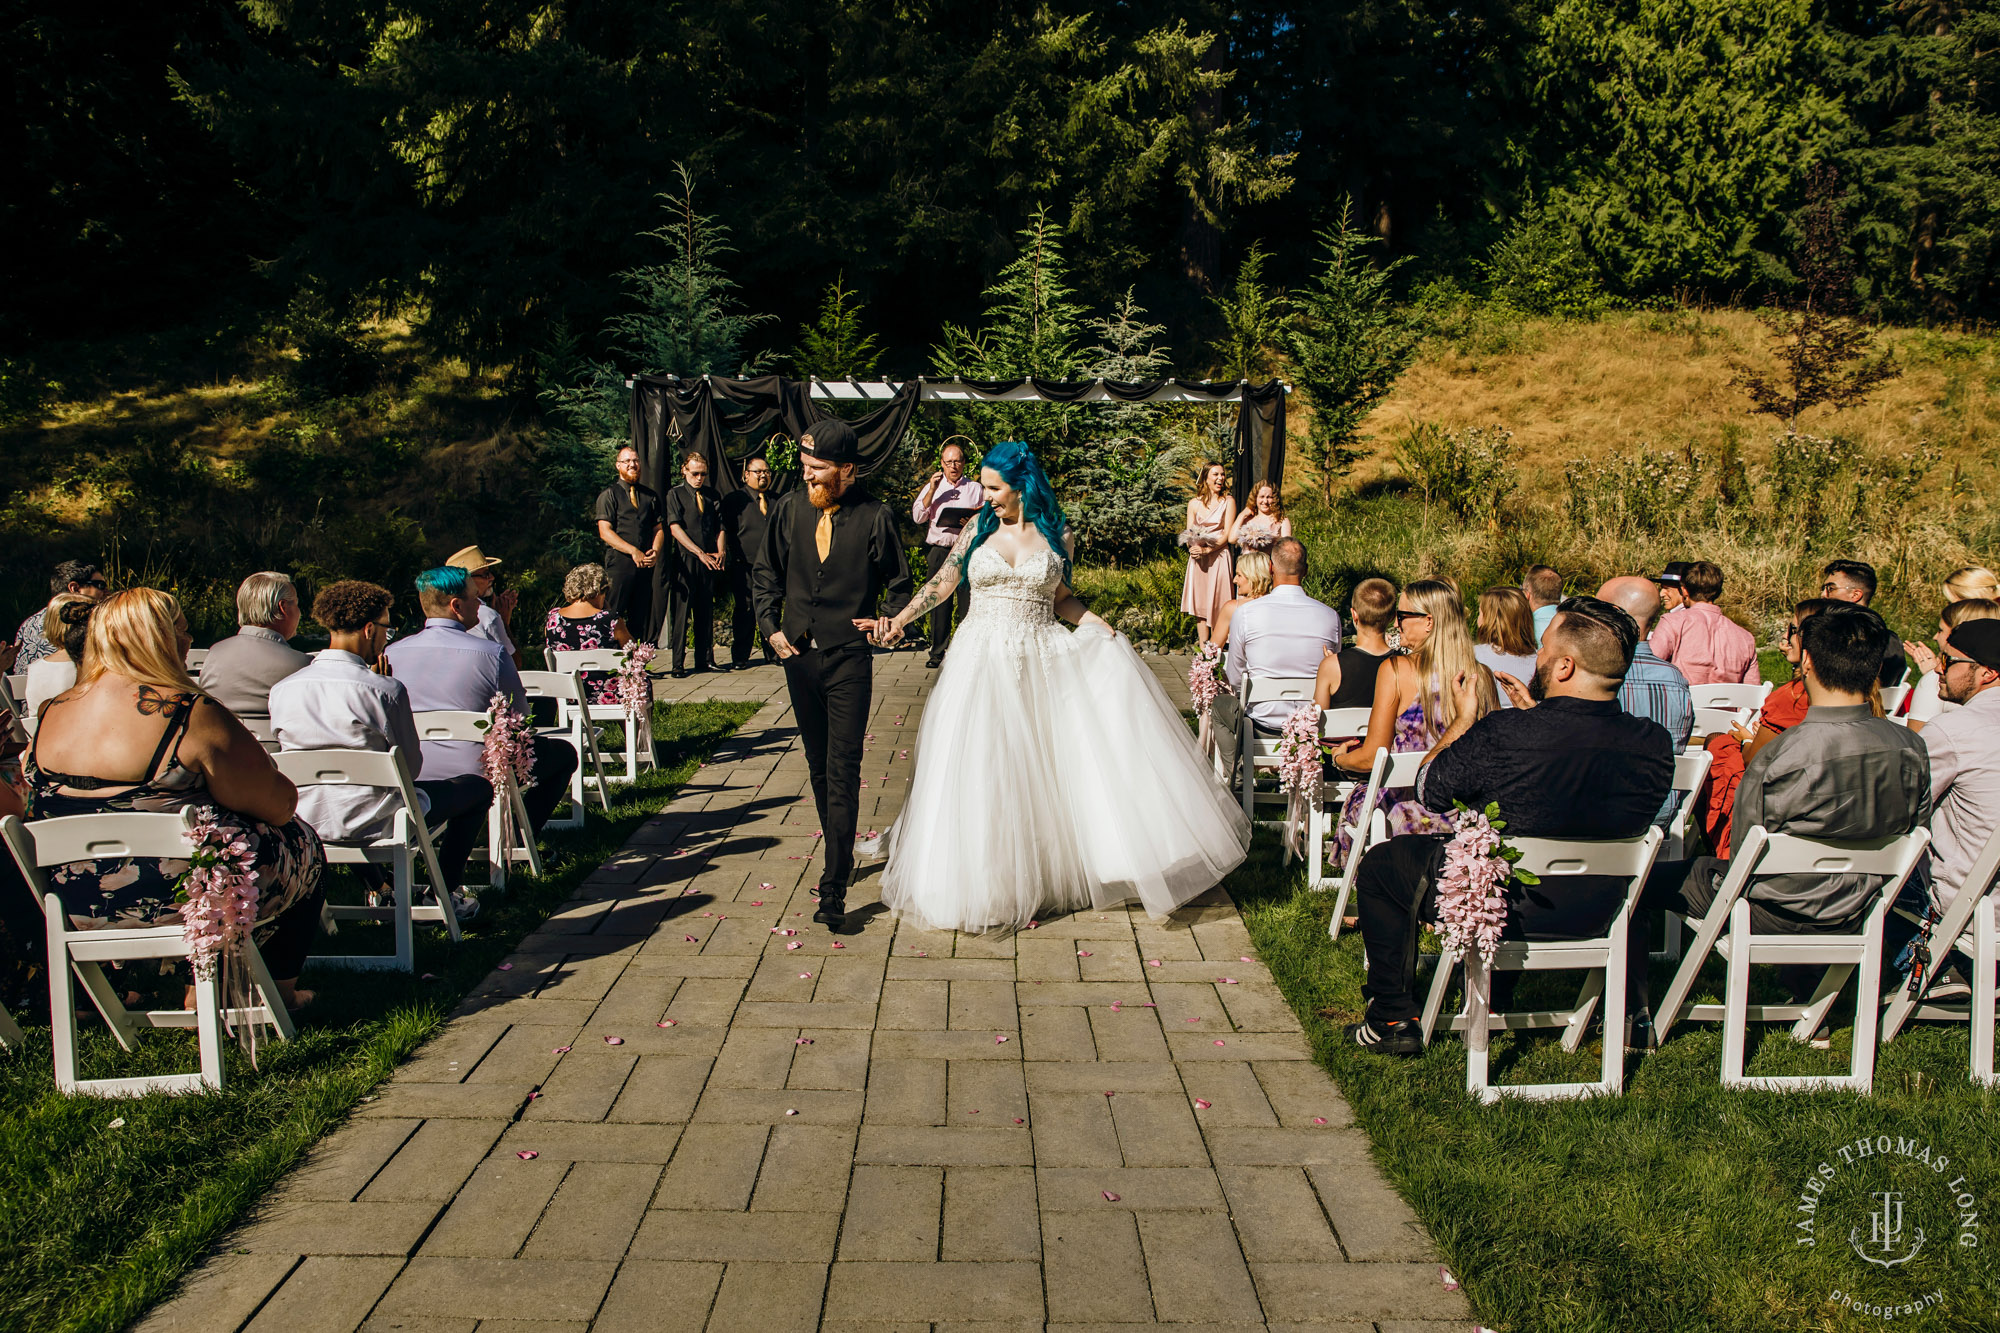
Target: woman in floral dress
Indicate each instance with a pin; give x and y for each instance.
(583, 625)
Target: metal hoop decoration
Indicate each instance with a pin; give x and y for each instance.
(963, 441)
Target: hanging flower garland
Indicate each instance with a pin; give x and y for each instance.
(1205, 684)
(1299, 774)
(635, 684)
(218, 906)
(1472, 903)
(509, 752)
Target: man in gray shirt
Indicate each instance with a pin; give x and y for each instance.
(1841, 773)
(238, 673)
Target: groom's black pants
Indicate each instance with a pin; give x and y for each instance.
(831, 691)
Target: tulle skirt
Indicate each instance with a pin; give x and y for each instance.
(1053, 774)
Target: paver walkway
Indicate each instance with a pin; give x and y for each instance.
(668, 1113)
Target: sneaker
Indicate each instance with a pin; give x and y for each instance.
(464, 906)
(1949, 986)
(1822, 1040)
(1640, 1038)
(1399, 1038)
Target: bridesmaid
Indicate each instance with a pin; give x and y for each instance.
(1210, 521)
(1262, 523)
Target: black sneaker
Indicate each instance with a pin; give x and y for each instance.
(1640, 1038)
(1399, 1038)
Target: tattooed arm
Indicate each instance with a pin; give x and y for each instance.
(934, 593)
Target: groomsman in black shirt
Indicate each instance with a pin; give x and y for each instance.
(694, 521)
(745, 514)
(830, 574)
(628, 521)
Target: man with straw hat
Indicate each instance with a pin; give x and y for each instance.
(493, 611)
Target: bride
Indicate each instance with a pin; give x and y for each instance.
(1052, 771)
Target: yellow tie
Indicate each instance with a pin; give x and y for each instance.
(699, 507)
(760, 505)
(823, 534)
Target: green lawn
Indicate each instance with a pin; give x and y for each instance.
(1672, 1207)
(98, 1219)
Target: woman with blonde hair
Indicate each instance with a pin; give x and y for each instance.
(51, 675)
(136, 734)
(1253, 580)
(1414, 702)
(1262, 523)
(1972, 582)
(1210, 574)
(1506, 634)
(1924, 702)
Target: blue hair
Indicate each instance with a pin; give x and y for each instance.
(1016, 464)
(443, 583)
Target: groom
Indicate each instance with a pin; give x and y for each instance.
(834, 560)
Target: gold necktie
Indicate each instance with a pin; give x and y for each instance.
(760, 505)
(823, 534)
(699, 507)
(632, 492)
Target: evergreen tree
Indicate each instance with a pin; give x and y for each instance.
(1123, 491)
(688, 321)
(835, 346)
(1254, 319)
(1347, 348)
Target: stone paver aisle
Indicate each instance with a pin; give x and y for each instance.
(670, 1111)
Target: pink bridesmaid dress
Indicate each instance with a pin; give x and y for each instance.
(1210, 578)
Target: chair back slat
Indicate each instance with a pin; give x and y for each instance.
(453, 725)
(1784, 854)
(1714, 721)
(551, 685)
(1691, 770)
(342, 768)
(1270, 689)
(1622, 857)
(591, 659)
(1337, 724)
(1730, 697)
(119, 834)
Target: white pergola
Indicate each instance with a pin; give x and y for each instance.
(956, 390)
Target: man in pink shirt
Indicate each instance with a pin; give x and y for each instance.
(940, 509)
(1708, 647)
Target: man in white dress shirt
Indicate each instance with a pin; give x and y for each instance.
(238, 672)
(1282, 633)
(340, 702)
(948, 488)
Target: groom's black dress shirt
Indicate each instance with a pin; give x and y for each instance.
(821, 601)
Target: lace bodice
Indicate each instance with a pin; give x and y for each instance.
(1022, 594)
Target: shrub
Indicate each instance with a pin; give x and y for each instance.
(1465, 472)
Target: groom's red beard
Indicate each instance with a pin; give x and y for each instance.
(825, 495)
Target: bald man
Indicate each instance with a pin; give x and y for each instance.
(1652, 688)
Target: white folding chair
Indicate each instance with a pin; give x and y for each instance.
(1335, 724)
(1892, 698)
(449, 725)
(1971, 928)
(54, 842)
(1604, 958)
(408, 837)
(10, 1032)
(608, 660)
(1762, 854)
(195, 657)
(575, 731)
(14, 696)
(1690, 772)
(1716, 722)
(1226, 725)
(261, 728)
(1255, 749)
(1735, 698)
(1389, 772)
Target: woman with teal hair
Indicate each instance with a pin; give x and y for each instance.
(1053, 773)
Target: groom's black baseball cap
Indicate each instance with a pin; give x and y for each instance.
(831, 441)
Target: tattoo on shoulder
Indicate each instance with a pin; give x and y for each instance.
(155, 702)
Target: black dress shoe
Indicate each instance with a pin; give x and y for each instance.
(934, 663)
(1400, 1038)
(832, 913)
(680, 673)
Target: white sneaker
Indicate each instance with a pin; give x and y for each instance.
(464, 905)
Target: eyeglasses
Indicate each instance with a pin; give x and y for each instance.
(1946, 662)
(388, 632)
(93, 583)
(1788, 633)
(1401, 616)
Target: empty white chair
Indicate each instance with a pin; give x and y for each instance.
(575, 730)
(1604, 959)
(1690, 772)
(450, 725)
(1764, 854)
(408, 838)
(1735, 697)
(1390, 772)
(640, 753)
(1970, 928)
(53, 842)
(1255, 749)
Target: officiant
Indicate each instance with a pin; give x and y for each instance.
(947, 500)
(830, 571)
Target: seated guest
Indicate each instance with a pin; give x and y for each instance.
(1543, 588)
(1926, 702)
(1707, 647)
(1565, 762)
(135, 734)
(1785, 706)
(1673, 596)
(447, 669)
(1842, 772)
(339, 702)
(1964, 751)
(1347, 678)
(581, 624)
(1651, 688)
(72, 576)
(495, 610)
(63, 624)
(1252, 580)
(1505, 638)
(1854, 581)
(238, 672)
(1282, 633)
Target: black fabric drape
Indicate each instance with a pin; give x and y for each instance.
(1260, 439)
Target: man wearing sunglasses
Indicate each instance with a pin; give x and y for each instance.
(1964, 746)
(1565, 762)
(77, 576)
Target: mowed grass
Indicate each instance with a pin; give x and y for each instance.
(98, 1220)
(1671, 1207)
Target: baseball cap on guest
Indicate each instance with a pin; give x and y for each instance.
(1978, 640)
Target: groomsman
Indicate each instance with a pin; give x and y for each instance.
(948, 489)
(745, 514)
(830, 572)
(628, 521)
(694, 522)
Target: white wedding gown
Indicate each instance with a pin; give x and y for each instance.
(1052, 773)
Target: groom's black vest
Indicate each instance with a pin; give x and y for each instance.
(821, 600)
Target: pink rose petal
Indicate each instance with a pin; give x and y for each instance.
(999, 1039)
(1034, 925)
(533, 1095)
(805, 976)
(1227, 981)
(758, 903)
(527, 1154)
(1190, 1020)
(838, 945)
(614, 1041)
(1450, 1282)
(560, 1050)
(690, 939)
(793, 945)
(1019, 1121)
(1319, 1120)
(1220, 1042)
(791, 1112)
(767, 886)
(1246, 959)
(1083, 953)
(1154, 962)
(667, 1023)
(428, 976)
(1201, 1104)
(1110, 1197)
(506, 967)
(803, 1041)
